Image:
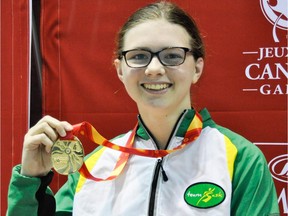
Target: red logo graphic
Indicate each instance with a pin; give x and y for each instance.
(279, 168)
(276, 12)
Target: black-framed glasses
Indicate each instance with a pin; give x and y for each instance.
(139, 58)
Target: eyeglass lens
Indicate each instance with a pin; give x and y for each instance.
(168, 57)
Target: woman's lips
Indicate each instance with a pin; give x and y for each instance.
(156, 87)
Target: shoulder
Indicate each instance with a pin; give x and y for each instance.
(240, 143)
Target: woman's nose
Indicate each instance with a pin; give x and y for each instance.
(155, 67)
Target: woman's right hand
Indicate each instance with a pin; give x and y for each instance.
(36, 157)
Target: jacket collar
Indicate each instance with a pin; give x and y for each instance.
(181, 126)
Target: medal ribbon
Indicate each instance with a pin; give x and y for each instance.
(87, 130)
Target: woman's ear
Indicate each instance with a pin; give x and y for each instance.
(117, 64)
(199, 65)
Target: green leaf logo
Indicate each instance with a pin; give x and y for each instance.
(204, 195)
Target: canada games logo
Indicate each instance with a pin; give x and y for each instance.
(268, 71)
(276, 12)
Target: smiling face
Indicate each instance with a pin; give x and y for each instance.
(158, 86)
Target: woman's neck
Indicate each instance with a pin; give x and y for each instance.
(160, 124)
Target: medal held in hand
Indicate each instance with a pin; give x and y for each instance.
(67, 156)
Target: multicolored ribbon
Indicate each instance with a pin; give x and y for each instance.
(87, 130)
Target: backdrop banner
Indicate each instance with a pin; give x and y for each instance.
(14, 88)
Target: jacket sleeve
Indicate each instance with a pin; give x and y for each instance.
(30, 195)
(65, 195)
(253, 187)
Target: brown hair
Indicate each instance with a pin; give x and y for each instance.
(173, 14)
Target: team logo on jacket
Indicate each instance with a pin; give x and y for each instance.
(204, 195)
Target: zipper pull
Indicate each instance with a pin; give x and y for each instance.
(164, 175)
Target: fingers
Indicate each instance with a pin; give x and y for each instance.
(46, 132)
(60, 126)
(43, 128)
(33, 142)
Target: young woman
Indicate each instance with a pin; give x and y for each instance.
(206, 169)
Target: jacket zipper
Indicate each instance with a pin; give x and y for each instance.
(154, 185)
(158, 167)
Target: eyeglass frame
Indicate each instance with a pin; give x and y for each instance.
(123, 54)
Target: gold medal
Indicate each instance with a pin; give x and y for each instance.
(67, 156)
